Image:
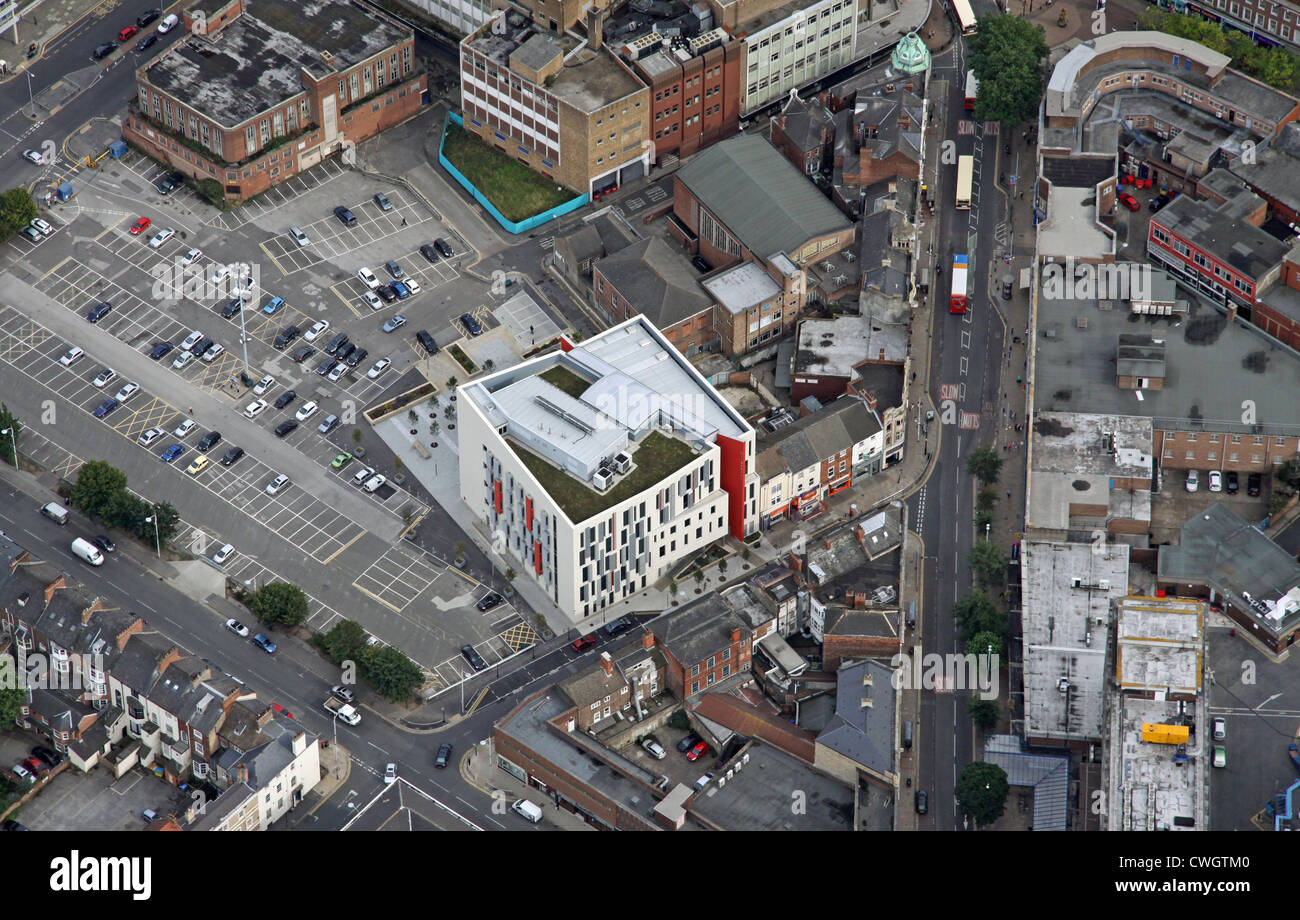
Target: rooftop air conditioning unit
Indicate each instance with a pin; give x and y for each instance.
(600, 479)
(622, 461)
(1104, 584)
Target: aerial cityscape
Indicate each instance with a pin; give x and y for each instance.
(735, 415)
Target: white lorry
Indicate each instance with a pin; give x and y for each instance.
(84, 549)
(344, 711)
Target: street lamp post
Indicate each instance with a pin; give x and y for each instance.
(13, 439)
(157, 543)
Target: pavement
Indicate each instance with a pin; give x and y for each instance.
(47, 22)
(478, 768)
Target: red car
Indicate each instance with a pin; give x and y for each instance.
(1129, 202)
(36, 765)
(701, 748)
(127, 33)
(140, 226)
(581, 645)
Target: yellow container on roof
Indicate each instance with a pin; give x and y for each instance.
(1159, 733)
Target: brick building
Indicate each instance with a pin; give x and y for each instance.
(655, 280)
(261, 90)
(703, 644)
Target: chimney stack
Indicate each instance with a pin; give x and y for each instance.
(242, 772)
(735, 636)
(595, 27)
(647, 640)
(607, 664)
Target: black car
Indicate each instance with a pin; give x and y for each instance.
(474, 658)
(147, 42)
(303, 353)
(471, 324)
(1233, 484)
(12, 825)
(386, 293)
(208, 441)
(99, 312)
(357, 357)
(232, 455)
(429, 252)
(285, 398)
(326, 366)
(287, 335)
(232, 308)
(104, 50)
(105, 544)
(700, 264)
(104, 408)
(201, 346)
(443, 248)
(53, 758)
(336, 343)
(489, 601)
(688, 742)
(345, 216)
(345, 350)
(147, 17)
(170, 182)
(427, 341)
(285, 427)
(161, 350)
(1253, 482)
(622, 624)
(1155, 204)
(444, 755)
(922, 801)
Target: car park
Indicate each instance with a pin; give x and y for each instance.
(489, 600)
(198, 465)
(141, 224)
(23, 774)
(213, 352)
(698, 750)
(372, 300)
(183, 360)
(337, 371)
(653, 748)
(161, 350)
(393, 323)
(429, 252)
(31, 233)
(231, 456)
(128, 390)
(368, 278)
(442, 247)
(147, 42)
(299, 237)
(264, 644)
(1253, 483)
(1233, 483)
(346, 217)
(191, 257)
(378, 368)
(303, 353)
(473, 657)
(238, 628)
(688, 742)
(385, 293)
(162, 236)
(1129, 202)
(285, 427)
(285, 398)
(99, 311)
(586, 642)
(105, 408)
(285, 337)
(394, 269)
(263, 385)
(71, 356)
(201, 346)
(382, 200)
(316, 329)
(329, 424)
(326, 366)
(53, 758)
(208, 441)
(362, 475)
(426, 341)
(148, 437)
(185, 428)
(471, 324)
(106, 376)
(275, 485)
(103, 51)
(374, 482)
(273, 306)
(1216, 481)
(32, 156)
(306, 411)
(444, 755)
(341, 461)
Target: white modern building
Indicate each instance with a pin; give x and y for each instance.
(792, 44)
(605, 464)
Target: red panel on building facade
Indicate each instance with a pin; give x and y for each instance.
(528, 512)
(733, 482)
(496, 494)
(537, 556)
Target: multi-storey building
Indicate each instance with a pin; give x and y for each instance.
(604, 465)
(564, 107)
(459, 16)
(260, 90)
(1266, 21)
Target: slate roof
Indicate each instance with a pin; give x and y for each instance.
(657, 280)
(1047, 774)
(699, 629)
(804, 121)
(758, 194)
(813, 438)
(863, 734)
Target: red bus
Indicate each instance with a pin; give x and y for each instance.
(957, 299)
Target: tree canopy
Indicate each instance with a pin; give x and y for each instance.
(976, 613)
(984, 464)
(1006, 54)
(280, 604)
(391, 673)
(982, 791)
(17, 210)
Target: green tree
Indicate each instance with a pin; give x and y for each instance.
(989, 562)
(1278, 500)
(391, 673)
(983, 519)
(987, 498)
(97, 488)
(977, 613)
(169, 521)
(1007, 54)
(7, 441)
(984, 463)
(280, 604)
(345, 641)
(17, 210)
(11, 700)
(981, 642)
(982, 791)
(984, 713)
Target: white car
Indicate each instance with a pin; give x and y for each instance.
(191, 340)
(368, 278)
(191, 257)
(128, 390)
(1220, 729)
(223, 554)
(106, 376)
(183, 360)
(214, 352)
(153, 434)
(316, 329)
(185, 428)
(169, 23)
(263, 385)
(375, 482)
(71, 356)
(379, 367)
(412, 285)
(275, 485)
(1216, 481)
(42, 226)
(255, 408)
(306, 411)
(32, 156)
(372, 299)
(338, 371)
(362, 475)
(238, 628)
(390, 773)
(1193, 480)
(299, 237)
(162, 236)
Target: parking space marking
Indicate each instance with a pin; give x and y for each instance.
(397, 577)
(279, 195)
(519, 637)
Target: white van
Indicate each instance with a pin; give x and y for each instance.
(529, 810)
(55, 512)
(84, 549)
(168, 24)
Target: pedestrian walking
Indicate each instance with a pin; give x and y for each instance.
(191, 410)
(403, 221)
(1008, 493)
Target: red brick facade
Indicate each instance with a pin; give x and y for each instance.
(696, 102)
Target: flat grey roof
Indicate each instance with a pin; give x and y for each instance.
(757, 796)
(255, 63)
(832, 347)
(742, 286)
(1047, 774)
(1159, 644)
(1222, 231)
(1148, 790)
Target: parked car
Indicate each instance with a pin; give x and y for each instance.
(400, 290)
(586, 642)
(303, 353)
(53, 758)
(188, 343)
(285, 427)
(104, 543)
(141, 224)
(171, 453)
(191, 257)
(385, 293)
(429, 252)
(273, 306)
(263, 385)
(72, 356)
(346, 694)
(427, 342)
(275, 485)
(443, 248)
(372, 300)
(170, 182)
(357, 357)
(362, 475)
(341, 460)
(306, 411)
(285, 398)
(378, 368)
(168, 24)
(688, 742)
(208, 441)
(329, 424)
(231, 456)
(1220, 728)
(326, 366)
(346, 217)
(214, 351)
(412, 285)
(238, 628)
(147, 42)
(106, 376)
(444, 755)
(653, 748)
(103, 51)
(316, 329)
(183, 360)
(147, 17)
(337, 371)
(382, 200)
(23, 773)
(148, 437)
(368, 278)
(42, 226)
(922, 801)
(255, 408)
(394, 269)
(285, 337)
(336, 343)
(1220, 755)
(264, 644)
(185, 428)
(1233, 482)
(345, 351)
(127, 32)
(471, 324)
(622, 624)
(299, 237)
(489, 600)
(104, 408)
(473, 657)
(128, 390)
(99, 311)
(698, 750)
(1129, 202)
(1193, 480)
(162, 236)
(1216, 481)
(1253, 483)
(198, 465)
(161, 350)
